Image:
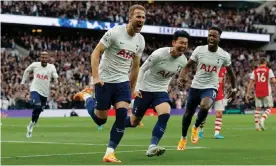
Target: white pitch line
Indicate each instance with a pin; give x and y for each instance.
(87, 144)
(71, 154)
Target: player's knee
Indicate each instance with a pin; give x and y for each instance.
(102, 114)
(205, 106)
(258, 108)
(163, 108)
(219, 114)
(122, 104)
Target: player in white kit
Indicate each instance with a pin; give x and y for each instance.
(152, 87)
(122, 47)
(209, 58)
(40, 86)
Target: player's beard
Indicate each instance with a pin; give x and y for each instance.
(43, 64)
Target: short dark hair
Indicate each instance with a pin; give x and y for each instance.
(216, 29)
(182, 33)
(262, 60)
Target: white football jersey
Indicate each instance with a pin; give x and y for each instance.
(120, 51)
(42, 77)
(158, 70)
(208, 66)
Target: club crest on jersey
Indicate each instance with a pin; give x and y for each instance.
(126, 54)
(209, 68)
(165, 74)
(42, 77)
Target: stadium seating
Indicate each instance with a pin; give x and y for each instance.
(158, 13)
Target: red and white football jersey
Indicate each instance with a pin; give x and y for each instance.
(262, 76)
(221, 75)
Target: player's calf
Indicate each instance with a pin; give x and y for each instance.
(264, 117)
(35, 116)
(159, 129)
(257, 118)
(186, 120)
(205, 105)
(218, 124)
(117, 130)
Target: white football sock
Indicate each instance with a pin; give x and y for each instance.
(152, 145)
(109, 150)
(216, 132)
(31, 125)
(201, 129)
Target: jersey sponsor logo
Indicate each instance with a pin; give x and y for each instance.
(165, 74)
(126, 54)
(209, 68)
(42, 77)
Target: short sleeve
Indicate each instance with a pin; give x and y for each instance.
(54, 72)
(227, 61)
(184, 62)
(107, 38)
(142, 46)
(194, 55)
(271, 74)
(252, 76)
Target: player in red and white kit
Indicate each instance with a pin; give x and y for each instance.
(262, 76)
(219, 106)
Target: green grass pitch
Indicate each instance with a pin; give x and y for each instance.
(76, 141)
